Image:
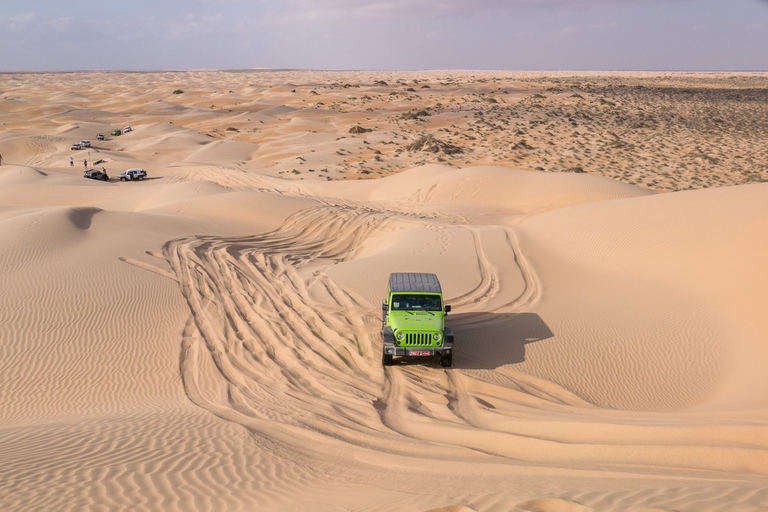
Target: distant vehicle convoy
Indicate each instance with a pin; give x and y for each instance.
(413, 319)
(136, 174)
(85, 143)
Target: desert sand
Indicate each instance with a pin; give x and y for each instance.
(210, 338)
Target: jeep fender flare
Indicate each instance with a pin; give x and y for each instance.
(389, 337)
(448, 335)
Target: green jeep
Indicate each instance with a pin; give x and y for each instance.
(413, 316)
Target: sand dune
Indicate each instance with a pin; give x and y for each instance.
(210, 338)
(221, 151)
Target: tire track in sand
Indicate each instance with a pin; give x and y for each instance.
(275, 358)
(306, 376)
(279, 359)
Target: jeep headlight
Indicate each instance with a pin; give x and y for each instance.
(400, 336)
(436, 336)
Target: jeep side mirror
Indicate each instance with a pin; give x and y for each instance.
(447, 308)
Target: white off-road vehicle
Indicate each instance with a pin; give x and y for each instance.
(133, 175)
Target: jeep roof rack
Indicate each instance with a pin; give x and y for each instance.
(414, 282)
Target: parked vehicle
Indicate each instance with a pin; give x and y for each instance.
(85, 143)
(100, 136)
(413, 319)
(96, 174)
(117, 132)
(127, 129)
(76, 146)
(133, 175)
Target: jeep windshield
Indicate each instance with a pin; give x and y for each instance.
(407, 302)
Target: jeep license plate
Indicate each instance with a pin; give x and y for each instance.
(419, 353)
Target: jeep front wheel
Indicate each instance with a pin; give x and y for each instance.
(386, 359)
(446, 361)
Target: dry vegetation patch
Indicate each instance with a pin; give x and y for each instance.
(662, 131)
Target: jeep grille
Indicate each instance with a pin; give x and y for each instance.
(418, 339)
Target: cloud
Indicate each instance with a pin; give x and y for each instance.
(23, 18)
(190, 26)
(311, 11)
(18, 21)
(604, 26)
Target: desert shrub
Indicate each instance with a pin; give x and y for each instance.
(178, 91)
(357, 129)
(415, 115)
(522, 144)
(419, 143)
(429, 143)
(232, 129)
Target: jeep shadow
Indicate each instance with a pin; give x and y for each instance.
(485, 341)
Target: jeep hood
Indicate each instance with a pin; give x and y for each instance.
(415, 321)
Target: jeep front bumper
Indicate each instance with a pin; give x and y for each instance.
(391, 348)
(417, 351)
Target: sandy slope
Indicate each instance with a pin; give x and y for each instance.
(209, 339)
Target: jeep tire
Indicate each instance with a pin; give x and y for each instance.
(446, 361)
(386, 359)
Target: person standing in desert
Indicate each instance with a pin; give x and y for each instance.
(71, 161)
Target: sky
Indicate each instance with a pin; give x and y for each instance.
(663, 35)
